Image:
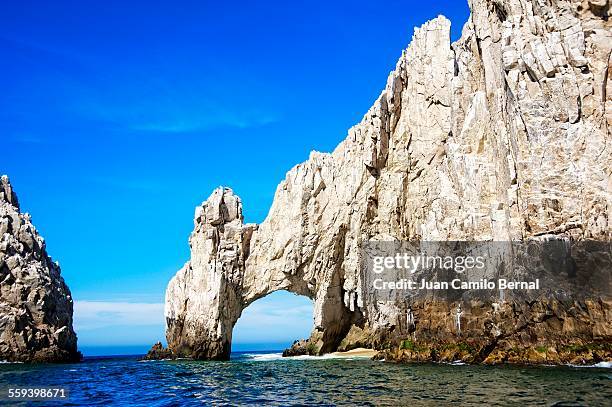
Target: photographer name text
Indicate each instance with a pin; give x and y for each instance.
(456, 284)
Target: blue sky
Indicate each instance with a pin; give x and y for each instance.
(116, 120)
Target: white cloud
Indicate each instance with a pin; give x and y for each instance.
(167, 113)
(100, 314)
(202, 122)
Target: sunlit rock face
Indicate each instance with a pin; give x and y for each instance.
(204, 299)
(502, 135)
(35, 303)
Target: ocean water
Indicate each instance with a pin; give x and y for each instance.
(264, 378)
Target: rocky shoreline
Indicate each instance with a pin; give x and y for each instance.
(472, 353)
(492, 335)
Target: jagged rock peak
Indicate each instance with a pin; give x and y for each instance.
(35, 303)
(6, 192)
(223, 206)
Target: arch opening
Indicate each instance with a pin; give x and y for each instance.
(273, 322)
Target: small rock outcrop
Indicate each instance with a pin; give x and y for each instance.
(503, 135)
(299, 348)
(158, 352)
(35, 303)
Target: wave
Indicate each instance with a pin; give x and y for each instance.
(261, 356)
(266, 357)
(605, 365)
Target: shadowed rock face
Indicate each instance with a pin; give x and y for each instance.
(503, 135)
(35, 303)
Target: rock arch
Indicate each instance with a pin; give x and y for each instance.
(473, 140)
(207, 296)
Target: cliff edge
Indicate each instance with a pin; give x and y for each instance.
(503, 135)
(35, 303)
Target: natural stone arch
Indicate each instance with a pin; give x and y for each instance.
(207, 296)
(468, 141)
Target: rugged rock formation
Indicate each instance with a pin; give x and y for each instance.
(301, 347)
(204, 300)
(35, 303)
(503, 135)
(158, 352)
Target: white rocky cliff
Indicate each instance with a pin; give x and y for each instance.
(502, 135)
(35, 303)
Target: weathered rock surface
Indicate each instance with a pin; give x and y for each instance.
(503, 135)
(158, 352)
(35, 303)
(204, 299)
(299, 348)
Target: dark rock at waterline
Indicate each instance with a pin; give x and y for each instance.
(158, 352)
(35, 302)
(301, 347)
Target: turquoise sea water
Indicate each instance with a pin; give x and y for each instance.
(264, 378)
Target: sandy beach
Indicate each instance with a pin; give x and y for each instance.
(357, 352)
